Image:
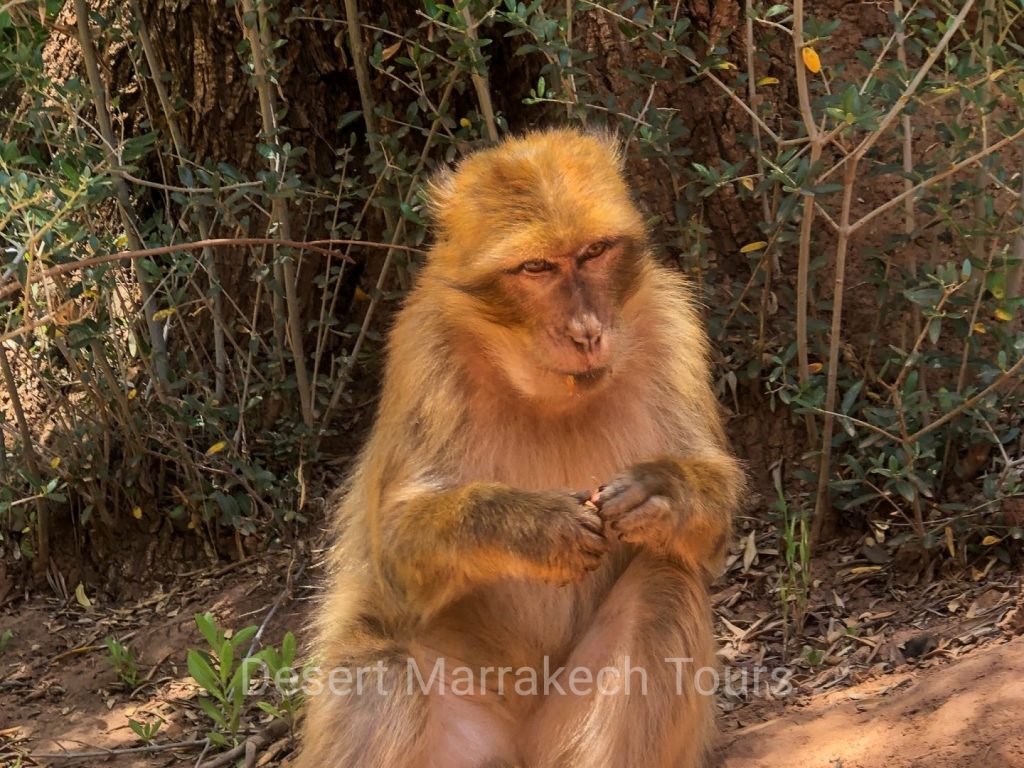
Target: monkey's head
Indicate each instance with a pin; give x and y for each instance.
(539, 249)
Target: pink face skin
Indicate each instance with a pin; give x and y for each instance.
(567, 299)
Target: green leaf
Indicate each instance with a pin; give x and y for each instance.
(851, 396)
(271, 658)
(776, 10)
(288, 649)
(906, 490)
(203, 674)
(411, 215)
(208, 629)
(240, 680)
(217, 739)
(925, 297)
(270, 709)
(243, 636)
(226, 660)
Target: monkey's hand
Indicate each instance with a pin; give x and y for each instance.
(438, 544)
(674, 505)
(638, 505)
(569, 540)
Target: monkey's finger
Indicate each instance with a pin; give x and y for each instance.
(593, 554)
(649, 523)
(614, 507)
(592, 521)
(594, 541)
(612, 489)
(623, 484)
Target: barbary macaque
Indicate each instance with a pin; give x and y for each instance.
(545, 495)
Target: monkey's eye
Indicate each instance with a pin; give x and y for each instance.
(594, 250)
(535, 266)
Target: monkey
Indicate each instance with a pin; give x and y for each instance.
(546, 491)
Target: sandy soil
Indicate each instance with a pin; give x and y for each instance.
(959, 704)
(967, 714)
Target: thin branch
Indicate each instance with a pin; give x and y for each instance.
(147, 749)
(803, 269)
(859, 422)
(869, 141)
(752, 97)
(909, 212)
(353, 356)
(956, 168)
(310, 245)
(706, 73)
(478, 75)
(968, 403)
(128, 218)
(42, 559)
(260, 47)
(366, 103)
(217, 309)
(823, 515)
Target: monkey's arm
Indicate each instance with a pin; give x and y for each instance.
(679, 505)
(436, 544)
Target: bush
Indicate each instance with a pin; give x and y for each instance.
(847, 204)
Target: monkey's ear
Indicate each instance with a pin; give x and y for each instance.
(439, 193)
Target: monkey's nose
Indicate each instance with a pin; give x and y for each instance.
(585, 334)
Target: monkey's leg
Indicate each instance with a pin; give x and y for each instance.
(643, 706)
(398, 719)
(366, 726)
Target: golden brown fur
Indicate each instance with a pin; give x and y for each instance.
(456, 538)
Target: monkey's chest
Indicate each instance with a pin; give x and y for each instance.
(574, 453)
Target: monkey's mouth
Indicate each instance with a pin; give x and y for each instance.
(588, 377)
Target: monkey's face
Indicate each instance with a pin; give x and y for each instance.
(543, 246)
(561, 317)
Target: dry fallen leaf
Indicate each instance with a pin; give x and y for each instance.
(749, 551)
(80, 596)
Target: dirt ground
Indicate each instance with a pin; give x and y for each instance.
(967, 714)
(892, 669)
